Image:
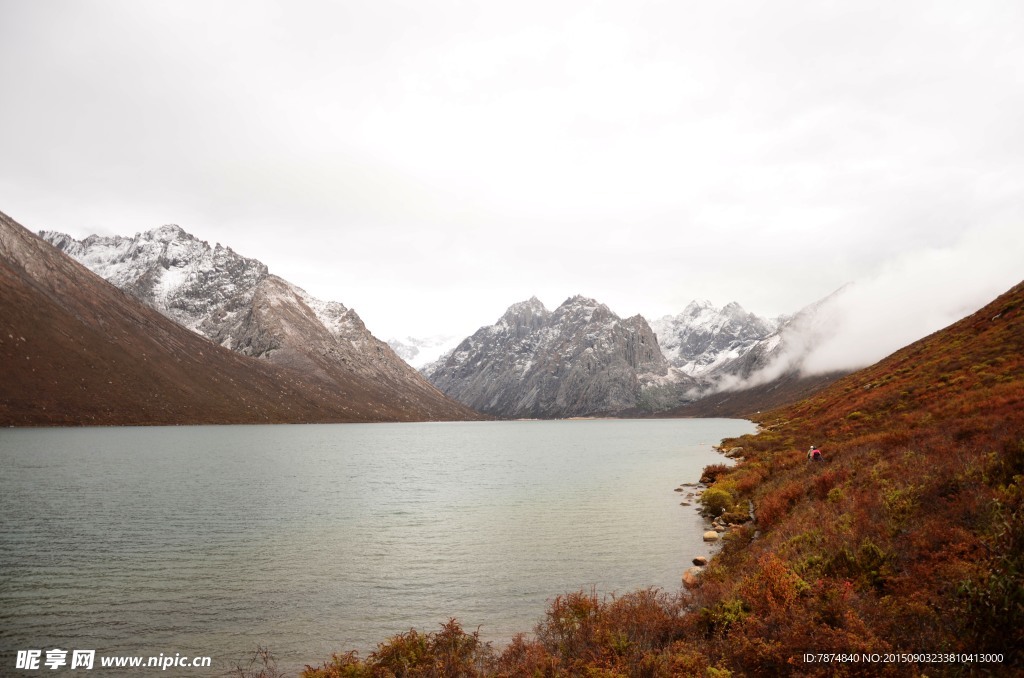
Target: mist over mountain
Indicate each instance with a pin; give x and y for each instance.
(784, 352)
(573, 361)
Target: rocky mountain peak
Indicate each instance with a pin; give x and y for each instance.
(235, 302)
(696, 307)
(523, 317)
(167, 233)
(583, 309)
(733, 309)
(580, 359)
(703, 336)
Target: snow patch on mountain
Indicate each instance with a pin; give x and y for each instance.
(419, 352)
(703, 337)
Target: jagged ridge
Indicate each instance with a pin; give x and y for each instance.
(236, 302)
(580, 359)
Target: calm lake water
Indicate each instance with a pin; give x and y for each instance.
(318, 539)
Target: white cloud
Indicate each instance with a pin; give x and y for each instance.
(916, 295)
(429, 162)
(908, 298)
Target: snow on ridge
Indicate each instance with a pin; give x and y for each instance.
(703, 336)
(333, 315)
(187, 279)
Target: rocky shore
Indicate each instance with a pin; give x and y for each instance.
(720, 519)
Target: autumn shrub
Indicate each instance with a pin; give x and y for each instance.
(262, 664)
(457, 653)
(826, 480)
(712, 472)
(716, 501)
(523, 657)
(868, 564)
(747, 477)
(777, 503)
(344, 665)
(403, 654)
(774, 587)
(571, 627)
(450, 652)
(993, 599)
(620, 633)
(734, 517)
(719, 618)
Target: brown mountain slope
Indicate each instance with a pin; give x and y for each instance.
(76, 350)
(750, 402)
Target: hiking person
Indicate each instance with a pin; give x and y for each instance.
(816, 454)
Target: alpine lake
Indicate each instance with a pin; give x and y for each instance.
(313, 539)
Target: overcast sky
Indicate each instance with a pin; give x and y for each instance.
(430, 163)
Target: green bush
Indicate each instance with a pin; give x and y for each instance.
(716, 502)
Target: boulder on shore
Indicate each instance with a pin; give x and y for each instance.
(711, 535)
(690, 577)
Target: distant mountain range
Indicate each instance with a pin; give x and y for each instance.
(78, 350)
(578, 360)
(581, 359)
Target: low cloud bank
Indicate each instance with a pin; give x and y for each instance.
(911, 297)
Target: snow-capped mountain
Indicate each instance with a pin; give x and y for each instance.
(237, 303)
(703, 337)
(421, 352)
(580, 359)
(78, 351)
(781, 353)
(774, 371)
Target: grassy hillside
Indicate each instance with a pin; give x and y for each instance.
(908, 538)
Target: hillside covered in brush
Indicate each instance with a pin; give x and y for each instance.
(908, 539)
